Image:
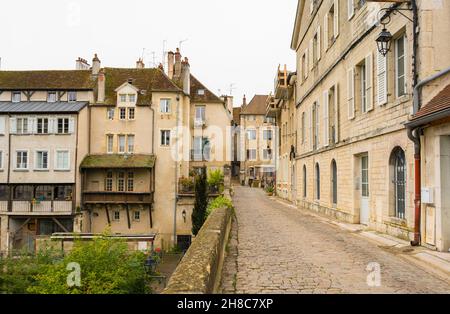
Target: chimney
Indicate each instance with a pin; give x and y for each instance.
(244, 102)
(177, 70)
(81, 64)
(95, 65)
(170, 64)
(140, 64)
(186, 76)
(228, 102)
(101, 87)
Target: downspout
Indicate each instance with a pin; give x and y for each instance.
(176, 176)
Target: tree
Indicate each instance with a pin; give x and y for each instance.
(201, 201)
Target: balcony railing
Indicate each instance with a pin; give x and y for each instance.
(106, 197)
(36, 206)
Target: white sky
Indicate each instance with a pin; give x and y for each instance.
(238, 42)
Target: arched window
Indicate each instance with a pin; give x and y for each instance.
(398, 164)
(317, 181)
(304, 180)
(334, 182)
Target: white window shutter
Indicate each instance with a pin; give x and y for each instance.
(32, 125)
(351, 93)
(13, 125)
(318, 123)
(2, 125)
(325, 32)
(381, 79)
(369, 83)
(318, 43)
(71, 125)
(336, 18)
(51, 125)
(351, 9)
(311, 6)
(326, 124)
(311, 52)
(336, 113)
(311, 129)
(306, 70)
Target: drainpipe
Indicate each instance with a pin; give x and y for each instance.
(176, 176)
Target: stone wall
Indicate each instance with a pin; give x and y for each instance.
(200, 269)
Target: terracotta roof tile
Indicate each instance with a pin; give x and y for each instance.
(256, 106)
(208, 96)
(440, 102)
(47, 80)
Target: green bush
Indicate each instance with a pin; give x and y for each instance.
(216, 178)
(201, 202)
(218, 202)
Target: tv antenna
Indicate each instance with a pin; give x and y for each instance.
(232, 88)
(181, 42)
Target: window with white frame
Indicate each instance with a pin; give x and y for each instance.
(400, 66)
(251, 154)
(42, 126)
(132, 98)
(121, 144)
(109, 181)
(22, 125)
(201, 92)
(62, 160)
(122, 113)
(21, 159)
(136, 215)
(123, 98)
(304, 69)
(362, 79)
(251, 135)
(267, 135)
(200, 112)
(165, 137)
(51, 97)
(130, 182)
(16, 96)
(130, 142)
(121, 182)
(110, 113)
(164, 105)
(267, 154)
(116, 215)
(109, 143)
(72, 96)
(63, 125)
(131, 112)
(41, 160)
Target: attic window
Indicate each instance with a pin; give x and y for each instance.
(201, 92)
(51, 97)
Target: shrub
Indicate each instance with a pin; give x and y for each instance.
(218, 202)
(216, 178)
(201, 202)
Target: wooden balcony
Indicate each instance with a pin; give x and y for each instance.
(105, 197)
(18, 207)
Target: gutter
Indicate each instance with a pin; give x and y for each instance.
(176, 177)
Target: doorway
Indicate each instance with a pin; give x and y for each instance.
(364, 209)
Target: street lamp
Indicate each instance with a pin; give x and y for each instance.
(384, 42)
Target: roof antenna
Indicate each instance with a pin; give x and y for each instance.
(232, 87)
(181, 42)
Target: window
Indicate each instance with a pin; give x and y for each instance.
(62, 193)
(317, 182)
(22, 125)
(365, 176)
(41, 160)
(267, 154)
(400, 66)
(316, 47)
(131, 113)
(1, 159)
(304, 181)
(51, 97)
(121, 182)
(399, 166)
(331, 25)
(362, 75)
(165, 137)
(43, 193)
(22, 159)
(116, 216)
(72, 96)
(109, 143)
(350, 8)
(251, 117)
(122, 113)
(23, 192)
(164, 105)
(62, 160)
(136, 215)
(16, 96)
(132, 98)
(131, 144)
(304, 69)
(201, 92)
(123, 98)
(121, 139)
(110, 113)
(63, 125)
(267, 135)
(316, 124)
(130, 182)
(199, 114)
(42, 126)
(334, 182)
(251, 154)
(251, 134)
(109, 181)
(303, 127)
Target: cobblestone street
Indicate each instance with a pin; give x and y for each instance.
(275, 248)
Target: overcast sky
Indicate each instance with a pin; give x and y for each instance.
(238, 42)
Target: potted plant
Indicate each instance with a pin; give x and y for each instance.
(269, 190)
(187, 184)
(216, 181)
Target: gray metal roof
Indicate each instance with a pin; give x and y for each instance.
(41, 107)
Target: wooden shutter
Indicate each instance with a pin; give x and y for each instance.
(336, 113)
(350, 9)
(326, 124)
(71, 125)
(13, 125)
(381, 79)
(318, 43)
(369, 83)
(351, 93)
(325, 32)
(336, 18)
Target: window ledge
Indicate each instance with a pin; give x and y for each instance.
(62, 170)
(21, 170)
(41, 170)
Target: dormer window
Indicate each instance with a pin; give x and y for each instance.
(15, 96)
(123, 98)
(51, 97)
(201, 92)
(132, 98)
(72, 96)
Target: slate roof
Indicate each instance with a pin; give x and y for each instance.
(47, 80)
(41, 107)
(256, 106)
(116, 161)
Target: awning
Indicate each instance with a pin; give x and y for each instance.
(116, 161)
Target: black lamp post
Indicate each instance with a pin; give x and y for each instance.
(384, 42)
